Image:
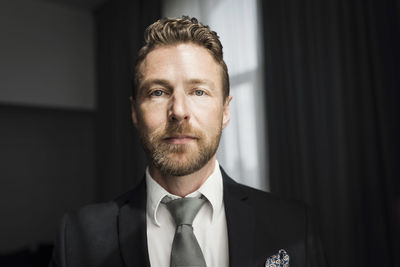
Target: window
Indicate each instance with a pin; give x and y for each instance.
(243, 147)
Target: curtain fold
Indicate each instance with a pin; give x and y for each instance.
(332, 91)
(120, 26)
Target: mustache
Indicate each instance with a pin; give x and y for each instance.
(182, 129)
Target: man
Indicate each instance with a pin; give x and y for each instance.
(180, 105)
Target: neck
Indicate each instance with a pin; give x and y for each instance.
(183, 185)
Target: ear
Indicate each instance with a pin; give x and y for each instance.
(133, 112)
(226, 112)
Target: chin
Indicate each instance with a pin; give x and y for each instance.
(181, 165)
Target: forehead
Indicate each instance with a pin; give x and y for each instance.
(179, 62)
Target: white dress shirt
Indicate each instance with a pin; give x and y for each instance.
(209, 225)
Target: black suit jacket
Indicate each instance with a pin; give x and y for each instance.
(259, 225)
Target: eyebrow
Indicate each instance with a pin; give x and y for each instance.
(150, 82)
(202, 81)
(167, 84)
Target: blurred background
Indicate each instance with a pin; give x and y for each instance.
(315, 113)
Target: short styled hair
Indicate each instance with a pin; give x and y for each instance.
(172, 31)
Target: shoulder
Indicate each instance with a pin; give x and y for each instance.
(93, 213)
(90, 225)
(106, 213)
(88, 236)
(264, 202)
(256, 197)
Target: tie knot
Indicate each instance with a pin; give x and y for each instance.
(184, 210)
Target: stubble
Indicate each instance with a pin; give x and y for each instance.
(179, 159)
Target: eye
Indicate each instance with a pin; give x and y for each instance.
(199, 92)
(157, 93)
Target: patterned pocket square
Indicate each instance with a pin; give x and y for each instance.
(281, 259)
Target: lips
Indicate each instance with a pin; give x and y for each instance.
(180, 139)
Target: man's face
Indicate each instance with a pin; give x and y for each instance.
(179, 109)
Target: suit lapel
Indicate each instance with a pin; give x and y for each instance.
(132, 227)
(240, 222)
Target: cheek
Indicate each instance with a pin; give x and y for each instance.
(151, 119)
(211, 119)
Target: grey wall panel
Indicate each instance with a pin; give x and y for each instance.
(47, 53)
(46, 168)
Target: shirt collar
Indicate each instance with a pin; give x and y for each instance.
(212, 189)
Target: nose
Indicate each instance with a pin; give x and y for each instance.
(179, 109)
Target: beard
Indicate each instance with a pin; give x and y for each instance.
(179, 159)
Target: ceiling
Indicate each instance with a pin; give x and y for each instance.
(81, 4)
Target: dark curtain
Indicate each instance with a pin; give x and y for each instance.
(332, 92)
(120, 26)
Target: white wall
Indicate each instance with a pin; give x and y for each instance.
(46, 55)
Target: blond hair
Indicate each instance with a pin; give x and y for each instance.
(172, 31)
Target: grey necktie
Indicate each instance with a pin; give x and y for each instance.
(185, 250)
